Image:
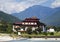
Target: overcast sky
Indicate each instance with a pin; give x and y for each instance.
(15, 6)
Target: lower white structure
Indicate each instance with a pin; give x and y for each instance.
(51, 30)
(19, 33)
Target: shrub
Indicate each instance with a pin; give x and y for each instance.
(29, 30)
(51, 33)
(45, 33)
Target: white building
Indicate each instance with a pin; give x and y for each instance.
(50, 30)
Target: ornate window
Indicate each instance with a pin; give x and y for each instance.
(26, 23)
(23, 23)
(32, 23)
(21, 29)
(29, 23)
(35, 23)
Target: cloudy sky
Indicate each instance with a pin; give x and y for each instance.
(15, 6)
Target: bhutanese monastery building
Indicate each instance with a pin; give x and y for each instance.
(32, 22)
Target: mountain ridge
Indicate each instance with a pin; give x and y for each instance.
(33, 11)
(41, 12)
(7, 17)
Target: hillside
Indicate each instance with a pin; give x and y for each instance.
(46, 15)
(53, 19)
(8, 18)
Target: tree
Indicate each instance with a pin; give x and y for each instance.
(39, 30)
(58, 29)
(29, 30)
(9, 28)
(54, 28)
(3, 26)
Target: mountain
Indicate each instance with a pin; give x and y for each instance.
(37, 10)
(49, 16)
(54, 19)
(7, 17)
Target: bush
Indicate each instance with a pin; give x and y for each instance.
(51, 33)
(35, 32)
(45, 33)
(29, 31)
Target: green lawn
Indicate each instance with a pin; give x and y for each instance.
(48, 34)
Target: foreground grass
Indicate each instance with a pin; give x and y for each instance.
(40, 35)
(57, 34)
(29, 35)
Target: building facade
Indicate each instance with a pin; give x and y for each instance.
(32, 22)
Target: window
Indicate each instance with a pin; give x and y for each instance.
(22, 23)
(29, 23)
(35, 23)
(16, 26)
(26, 23)
(21, 29)
(32, 23)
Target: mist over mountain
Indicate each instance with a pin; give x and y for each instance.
(49, 16)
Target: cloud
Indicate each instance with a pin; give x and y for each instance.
(55, 4)
(12, 6)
